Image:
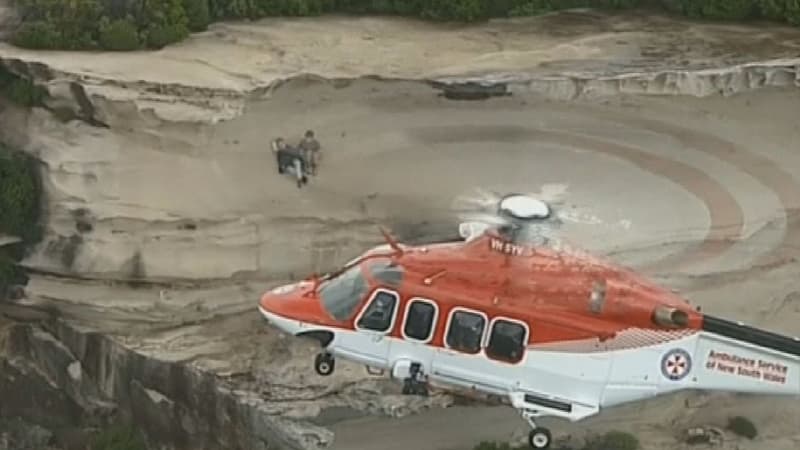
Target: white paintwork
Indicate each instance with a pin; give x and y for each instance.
(588, 382)
(524, 207)
(284, 323)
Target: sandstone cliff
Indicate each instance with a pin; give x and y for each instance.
(158, 174)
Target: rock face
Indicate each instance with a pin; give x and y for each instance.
(192, 122)
(60, 376)
(167, 218)
(86, 375)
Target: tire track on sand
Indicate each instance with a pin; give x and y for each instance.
(726, 216)
(761, 168)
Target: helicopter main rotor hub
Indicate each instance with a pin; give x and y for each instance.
(523, 207)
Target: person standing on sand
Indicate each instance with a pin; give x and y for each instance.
(309, 147)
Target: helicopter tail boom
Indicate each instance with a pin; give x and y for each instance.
(741, 358)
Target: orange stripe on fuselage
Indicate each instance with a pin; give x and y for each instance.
(549, 291)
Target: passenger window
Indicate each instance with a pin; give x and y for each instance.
(465, 331)
(420, 320)
(380, 312)
(506, 341)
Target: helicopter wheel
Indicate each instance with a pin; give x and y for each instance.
(540, 438)
(324, 364)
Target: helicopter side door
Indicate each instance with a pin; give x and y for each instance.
(464, 361)
(369, 343)
(417, 330)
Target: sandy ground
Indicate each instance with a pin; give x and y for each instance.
(413, 154)
(699, 193)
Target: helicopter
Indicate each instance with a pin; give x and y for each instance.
(504, 311)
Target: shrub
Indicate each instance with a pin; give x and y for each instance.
(460, 10)
(742, 426)
(613, 440)
(8, 272)
(75, 22)
(37, 35)
(19, 212)
(19, 195)
(792, 12)
(485, 445)
(24, 92)
(159, 36)
(720, 9)
(55, 24)
(118, 437)
(119, 34)
(772, 9)
(197, 14)
(20, 90)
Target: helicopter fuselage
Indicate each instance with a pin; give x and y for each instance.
(557, 334)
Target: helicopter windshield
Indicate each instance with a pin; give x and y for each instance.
(341, 294)
(386, 273)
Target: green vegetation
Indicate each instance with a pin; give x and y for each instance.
(118, 437)
(20, 90)
(19, 212)
(122, 25)
(485, 445)
(612, 440)
(742, 426)
(19, 196)
(20, 189)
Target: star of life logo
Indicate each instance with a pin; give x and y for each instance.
(676, 364)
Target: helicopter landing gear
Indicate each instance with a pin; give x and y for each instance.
(324, 364)
(539, 438)
(416, 383)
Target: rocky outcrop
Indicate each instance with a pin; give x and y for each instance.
(115, 125)
(108, 220)
(86, 377)
(104, 377)
(157, 173)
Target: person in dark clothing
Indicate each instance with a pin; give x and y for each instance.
(291, 160)
(309, 147)
(279, 150)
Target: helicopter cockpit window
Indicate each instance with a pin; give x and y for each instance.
(465, 331)
(507, 341)
(420, 318)
(341, 294)
(379, 313)
(386, 273)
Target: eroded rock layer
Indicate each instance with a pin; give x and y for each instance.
(167, 217)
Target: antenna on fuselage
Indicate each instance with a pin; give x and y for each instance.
(392, 242)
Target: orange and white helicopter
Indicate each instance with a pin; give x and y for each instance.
(556, 332)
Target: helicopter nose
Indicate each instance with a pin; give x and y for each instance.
(290, 308)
